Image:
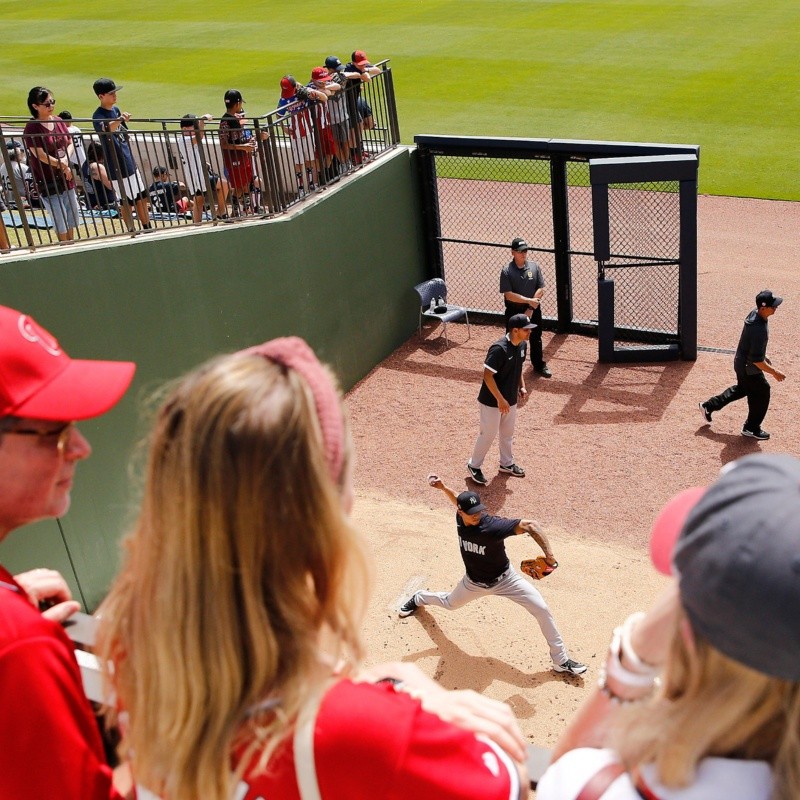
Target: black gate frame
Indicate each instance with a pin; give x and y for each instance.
(680, 168)
(559, 152)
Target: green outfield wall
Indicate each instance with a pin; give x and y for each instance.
(338, 272)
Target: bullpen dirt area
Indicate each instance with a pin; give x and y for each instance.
(604, 447)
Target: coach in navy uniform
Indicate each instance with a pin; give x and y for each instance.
(522, 287)
(502, 386)
(751, 366)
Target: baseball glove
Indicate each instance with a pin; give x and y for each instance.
(537, 568)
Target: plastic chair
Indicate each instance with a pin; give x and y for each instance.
(433, 290)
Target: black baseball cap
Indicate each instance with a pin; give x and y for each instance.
(232, 97)
(333, 64)
(470, 503)
(519, 245)
(766, 299)
(159, 171)
(105, 86)
(735, 550)
(521, 321)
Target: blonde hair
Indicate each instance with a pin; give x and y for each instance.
(241, 559)
(711, 705)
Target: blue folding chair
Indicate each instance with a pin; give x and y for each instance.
(434, 289)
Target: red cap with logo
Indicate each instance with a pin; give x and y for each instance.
(39, 380)
(360, 57)
(320, 74)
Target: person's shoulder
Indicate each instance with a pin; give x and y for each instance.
(564, 779)
(21, 623)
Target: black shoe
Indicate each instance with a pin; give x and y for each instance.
(573, 667)
(705, 412)
(477, 475)
(408, 608)
(760, 434)
(544, 371)
(513, 469)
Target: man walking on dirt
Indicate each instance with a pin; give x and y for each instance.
(750, 364)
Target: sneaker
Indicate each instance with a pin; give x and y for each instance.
(408, 608)
(544, 371)
(705, 412)
(760, 434)
(513, 469)
(573, 667)
(477, 475)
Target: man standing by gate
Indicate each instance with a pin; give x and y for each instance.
(522, 287)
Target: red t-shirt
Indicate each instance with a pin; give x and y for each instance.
(54, 141)
(372, 741)
(50, 746)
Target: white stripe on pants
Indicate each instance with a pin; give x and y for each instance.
(492, 423)
(513, 586)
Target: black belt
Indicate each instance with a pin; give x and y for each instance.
(494, 582)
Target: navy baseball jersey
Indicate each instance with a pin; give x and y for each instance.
(482, 546)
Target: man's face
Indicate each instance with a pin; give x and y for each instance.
(520, 257)
(108, 99)
(35, 473)
(470, 519)
(519, 335)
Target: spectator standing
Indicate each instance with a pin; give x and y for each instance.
(46, 138)
(270, 585)
(700, 696)
(750, 365)
(522, 287)
(502, 385)
(337, 110)
(189, 148)
(112, 125)
(359, 109)
(239, 148)
(77, 142)
(51, 746)
(322, 81)
(293, 110)
(166, 195)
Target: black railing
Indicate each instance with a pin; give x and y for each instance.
(156, 174)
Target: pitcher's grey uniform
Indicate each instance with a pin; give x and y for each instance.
(489, 571)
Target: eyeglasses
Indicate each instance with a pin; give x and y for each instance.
(59, 436)
(48, 103)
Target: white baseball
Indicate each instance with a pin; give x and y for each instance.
(432, 478)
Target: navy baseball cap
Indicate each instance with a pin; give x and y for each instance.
(521, 321)
(333, 64)
(520, 245)
(470, 503)
(105, 86)
(735, 550)
(766, 299)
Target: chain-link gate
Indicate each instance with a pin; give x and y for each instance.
(481, 193)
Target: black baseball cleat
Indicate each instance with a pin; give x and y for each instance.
(573, 667)
(513, 469)
(705, 412)
(760, 434)
(408, 608)
(544, 371)
(476, 475)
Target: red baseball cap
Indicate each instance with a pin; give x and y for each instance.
(320, 74)
(288, 85)
(39, 380)
(360, 57)
(668, 526)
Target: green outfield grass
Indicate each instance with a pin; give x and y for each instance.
(718, 73)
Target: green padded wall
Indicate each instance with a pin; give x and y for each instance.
(338, 272)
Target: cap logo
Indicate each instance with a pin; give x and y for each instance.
(472, 501)
(36, 335)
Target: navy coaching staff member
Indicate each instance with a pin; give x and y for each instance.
(522, 287)
(497, 399)
(488, 571)
(750, 363)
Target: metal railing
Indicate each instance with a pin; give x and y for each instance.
(156, 174)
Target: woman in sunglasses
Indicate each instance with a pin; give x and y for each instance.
(51, 151)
